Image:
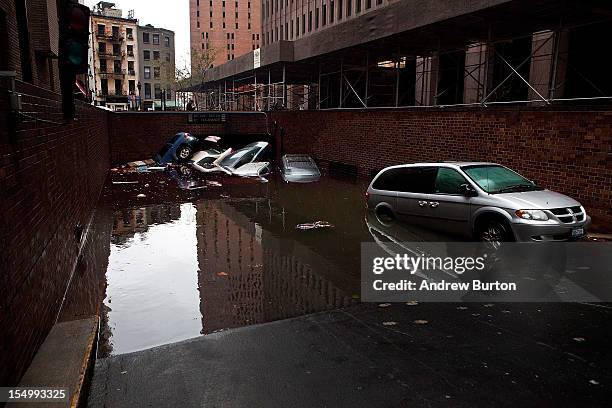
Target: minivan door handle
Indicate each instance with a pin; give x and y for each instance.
(434, 204)
(422, 203)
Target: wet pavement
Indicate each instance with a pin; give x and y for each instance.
(218, 266)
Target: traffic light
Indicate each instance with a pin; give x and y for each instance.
(73, 49)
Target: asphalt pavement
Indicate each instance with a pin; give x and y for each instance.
(372, 355)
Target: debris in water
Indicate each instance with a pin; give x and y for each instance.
(157, 168)
(488, 305)
(389, 323)
(384, 305)
(197, 187)
(594, 382)
(579, 339)
(461, 308)
(123, 372)
(412, 303)
(125, 182)
(420, 321)
(214, 183)
(141, 195)
(222, 274)
(314, 225)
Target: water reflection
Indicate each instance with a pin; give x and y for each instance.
(179, 270)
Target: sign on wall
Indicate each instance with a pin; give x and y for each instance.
(257, 58)
(206, 118)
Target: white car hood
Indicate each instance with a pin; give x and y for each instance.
(543, 199)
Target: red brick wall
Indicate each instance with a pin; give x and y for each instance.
(567, 151)
(139, 135)
(50, 180)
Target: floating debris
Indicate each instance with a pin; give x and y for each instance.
(314, 225)
(579, 339)
(141, 195)
(420, 321)
(214, 183)
(222, 274)
(125, 182)
(384, 305)
(594, 382)
(412, 303)
(389, 323)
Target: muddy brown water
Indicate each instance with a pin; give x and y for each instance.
(194, 256)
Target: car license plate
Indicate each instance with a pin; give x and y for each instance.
(577, 232)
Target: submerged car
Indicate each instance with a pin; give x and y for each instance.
(486, 201)
(179, 148)
(299, 168)
(255, 169)
(229, 161)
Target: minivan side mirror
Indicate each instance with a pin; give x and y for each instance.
(467, 190)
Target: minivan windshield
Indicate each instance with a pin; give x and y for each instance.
(498, 179)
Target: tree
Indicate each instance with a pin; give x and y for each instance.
(201, 62)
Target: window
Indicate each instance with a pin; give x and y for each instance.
(132, 86)
(167, 57)
(129, 33)
(116, 49)
(146, 54)
(147, 91)
(157, 91)
(156, 72)
(103, 65)
(316, 18)
(310, 21)
(407, 179)
(155, 38)
(130, 50)
(495, 179)
(104, 86)
(117, 66)
(358, 6)
(131, 67)
(448, 181)
(156, 55)
(368, 4)
(339, 9)
(145, 38)
(349, 7)
(101, 29)
(331, 11)
(147, 72)
(118, 90)
(102, 48)
(324, 15)
(379, 2)
(167, 41)
(303, 23)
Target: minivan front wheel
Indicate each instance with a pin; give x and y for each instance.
(183, 152)
(495, 232)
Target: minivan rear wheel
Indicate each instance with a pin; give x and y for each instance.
(495, 232)
(384, 215)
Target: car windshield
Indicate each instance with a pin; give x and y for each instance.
(240, 157)
(498, 179)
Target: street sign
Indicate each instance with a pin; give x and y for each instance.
(257, 58)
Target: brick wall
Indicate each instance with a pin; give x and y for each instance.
(50, 180)
(567, 151)
(139, 135)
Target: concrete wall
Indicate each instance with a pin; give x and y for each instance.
(51, 176)
(567, 151)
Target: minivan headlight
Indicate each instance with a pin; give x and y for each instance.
(536, 215)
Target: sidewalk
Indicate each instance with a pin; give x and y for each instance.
(425, 355)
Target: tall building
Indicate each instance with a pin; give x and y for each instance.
(114, 50)
(226, 28)
(156, 62)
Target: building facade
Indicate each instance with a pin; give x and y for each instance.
(156, 67)
(292, 19)
(224, 29)
(114, 51)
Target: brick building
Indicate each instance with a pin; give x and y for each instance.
(227, 28)
(113, 66)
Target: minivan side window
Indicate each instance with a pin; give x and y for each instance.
(407, 180)
(448, 181)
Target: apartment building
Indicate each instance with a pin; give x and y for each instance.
(226, 29)
(293, 19)
(156, 66)
(114, 64)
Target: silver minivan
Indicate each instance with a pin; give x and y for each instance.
(485, 201)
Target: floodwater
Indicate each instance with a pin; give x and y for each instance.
(193, 258)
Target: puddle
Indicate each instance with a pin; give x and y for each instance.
(186, 262)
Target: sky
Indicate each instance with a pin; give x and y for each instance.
(170, 14)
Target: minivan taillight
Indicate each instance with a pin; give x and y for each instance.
(367, 196)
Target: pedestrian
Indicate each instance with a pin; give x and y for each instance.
(190, 106)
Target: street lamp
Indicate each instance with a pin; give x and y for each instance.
(138, 99)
